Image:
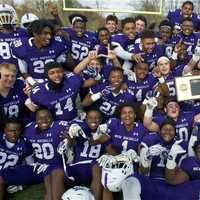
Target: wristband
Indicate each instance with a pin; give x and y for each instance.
(174, 56)
(148, 112)
(28, 101)
(31, 81)
(96, 96)
(171, 164)
(161, 80)
(98, 77)
(195, 58)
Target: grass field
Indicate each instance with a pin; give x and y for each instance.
(34, 192)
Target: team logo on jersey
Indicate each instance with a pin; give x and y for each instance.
(15, 96)
(51, 51)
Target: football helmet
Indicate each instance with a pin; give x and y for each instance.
(27, 18)
(78, 193)
(113, 175)
(8, 15)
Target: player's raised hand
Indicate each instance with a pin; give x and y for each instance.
(156, 72)
(179, 47)
(52, 8)
(75, 131)
(138, 57)
(27, 89)
(91, 72)
(92, 54)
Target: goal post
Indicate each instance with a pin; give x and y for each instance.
(111, 6)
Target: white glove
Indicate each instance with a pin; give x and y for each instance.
(32, 82)
(106, 160)
(174, 151)
(39, 168)
(100, 130)
(75, 131)
(155, 150)
(62, 147)
(14, 188)
(128, 156)
(196, 55)
(132, 155)
(150, 103)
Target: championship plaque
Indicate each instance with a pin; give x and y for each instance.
(187, 87)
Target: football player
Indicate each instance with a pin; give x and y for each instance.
(112, 24)
(82, 41)
(107, 96)
(148, 49)
(9, 33)
(176, 17)
(184, 120)
(39, 49)
(44, 135)
(158, 151)
(84, 169)
(59, 92)
(124, 134)
(12, 97)
(14, 149)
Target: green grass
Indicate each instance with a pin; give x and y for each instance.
(34, 192)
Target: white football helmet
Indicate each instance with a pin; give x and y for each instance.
(113, 176)
(27, 18)
(8, 15)
(78, 193)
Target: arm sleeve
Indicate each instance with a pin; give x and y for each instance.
(125, 55)
(23, 67)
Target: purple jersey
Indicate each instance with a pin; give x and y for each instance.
(83, 151)
(5, 41)
(13, 103)
(123, 40)
(184, 124)
(168, 45)
(80, 46)
(123, 140)
(191, 166)
(157, 169)
(149, 58)
(107, 104)
(36, 58)
(190, 43)
(45, 143)
(170, 82)
(176, 17)
(62, 102)
(10, 157)
(140, 88)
